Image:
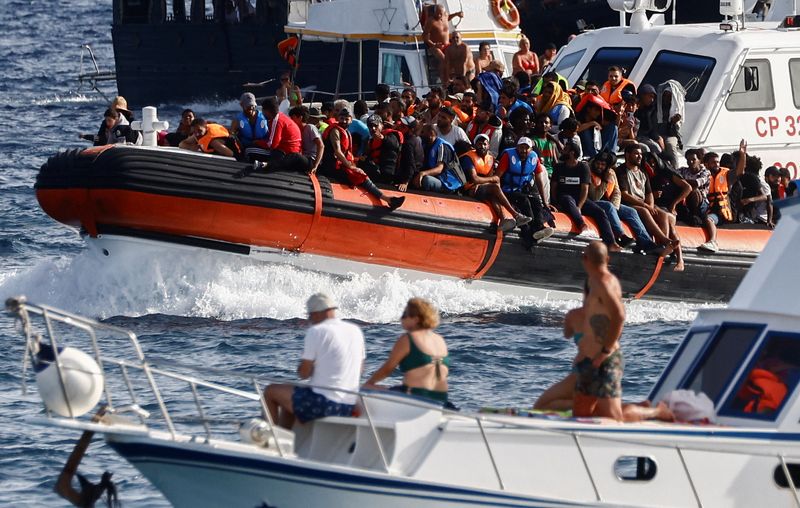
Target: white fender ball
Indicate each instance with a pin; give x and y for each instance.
(83, 383)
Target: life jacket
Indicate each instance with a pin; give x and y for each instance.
(375, 144)
(519, 172)
(464, 117)
(452, 177)
(473, 130)
(718, 194)
(615, 96)
(346, 142)
(287, 48)
(213, 131)
(763, 391)
(484, 166)
(597, 181)
(247, 133)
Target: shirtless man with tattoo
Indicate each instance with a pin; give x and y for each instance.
(599, 364)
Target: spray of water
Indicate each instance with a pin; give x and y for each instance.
(196, 283)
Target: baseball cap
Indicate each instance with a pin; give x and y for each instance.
(247, 99)
(374, 120)
(320, 302)
(456, 97)
(481, 136)
(409, 121)
(524, 141)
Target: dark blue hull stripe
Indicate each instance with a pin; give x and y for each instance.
(137, 453)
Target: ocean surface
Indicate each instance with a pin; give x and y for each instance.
(216, 309)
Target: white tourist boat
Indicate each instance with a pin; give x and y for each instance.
(742, 78)
(174, 424)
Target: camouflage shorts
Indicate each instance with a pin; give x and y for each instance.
(604, 382)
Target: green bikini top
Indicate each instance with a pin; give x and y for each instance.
(416, 358)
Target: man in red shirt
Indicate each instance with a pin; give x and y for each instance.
(284, 135)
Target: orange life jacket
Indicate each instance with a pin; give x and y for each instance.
(464, 117)
(213, 131)
(483, 165)
(718, 194)
(375, 144)
(763, 390)
(596, 181)
(615, 96)
(345, 142)
(473, 130)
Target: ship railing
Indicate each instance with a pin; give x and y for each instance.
(93, 76)
(251, 389)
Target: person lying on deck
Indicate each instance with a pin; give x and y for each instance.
(210, 137)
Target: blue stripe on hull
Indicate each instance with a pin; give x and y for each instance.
(297, 476)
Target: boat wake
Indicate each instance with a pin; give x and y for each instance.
(207, 284)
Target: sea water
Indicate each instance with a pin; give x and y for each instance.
(219, 309)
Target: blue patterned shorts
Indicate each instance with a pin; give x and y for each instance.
(309, 405)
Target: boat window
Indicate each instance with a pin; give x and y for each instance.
(691, 346)
(395, 70)
(769, 379)
(568, 63)
(780, 476)
(691, 71)
(794, 75)
(753, 88)
(638, 469)
(597, 70)
(721, 359)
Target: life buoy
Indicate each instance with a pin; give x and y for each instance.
(287, 48)
(506, 13)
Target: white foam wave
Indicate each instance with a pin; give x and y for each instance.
(72, 97)
(223, 286)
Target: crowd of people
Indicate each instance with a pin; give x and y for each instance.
(334, 353)
(527, 145)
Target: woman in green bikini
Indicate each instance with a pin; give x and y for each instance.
(420, 353)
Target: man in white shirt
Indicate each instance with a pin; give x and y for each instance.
(447, 129)
(333, 356)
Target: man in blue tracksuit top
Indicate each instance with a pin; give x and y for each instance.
(521, 173)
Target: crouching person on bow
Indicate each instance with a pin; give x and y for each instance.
(333, 356)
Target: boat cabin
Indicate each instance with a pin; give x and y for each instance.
(742, 79)
(347, 47)
(746, 358)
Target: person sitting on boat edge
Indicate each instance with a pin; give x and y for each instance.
(484, 185)
(570, 193)
(338, 161)
(441, 171)
(635, 188)
(604, 191)
(250, 126)
(333, 357)
(486, 122)
(383, 152)
(521, 178)
(412, 154)
(446, 127)
(420, 353)
(284, 135)
(694, 209)
(312, 146)
(669, 190)
(209, 137)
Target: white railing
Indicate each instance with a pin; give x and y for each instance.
(157, 368)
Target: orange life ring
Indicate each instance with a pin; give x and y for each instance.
(506, 13)
(287, 48)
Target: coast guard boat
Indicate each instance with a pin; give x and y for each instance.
(173, 422)
(742, 78)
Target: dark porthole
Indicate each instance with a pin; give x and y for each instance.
(636, 469)
(780, 476)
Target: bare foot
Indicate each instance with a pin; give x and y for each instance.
(663, 413)
(667, 250)
(679, 266)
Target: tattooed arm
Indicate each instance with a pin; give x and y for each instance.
(607, 327)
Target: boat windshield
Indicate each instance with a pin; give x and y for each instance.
(567, 63)
(597, 70)
(691, 71)
(721, 360)
(769, 380)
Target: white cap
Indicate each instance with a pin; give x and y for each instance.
(481, 136)
(525, 141)
(320, 302)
